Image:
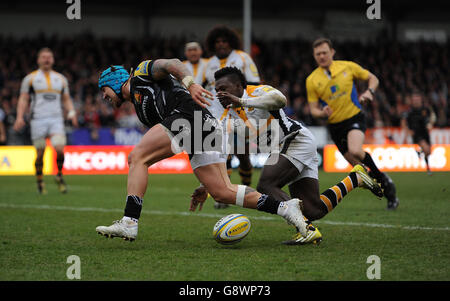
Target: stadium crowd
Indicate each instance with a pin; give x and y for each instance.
(283, 64)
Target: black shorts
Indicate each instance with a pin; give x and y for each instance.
(420, 135)
(195, 130)
(339, 131)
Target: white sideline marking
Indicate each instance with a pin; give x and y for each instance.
(156, 212)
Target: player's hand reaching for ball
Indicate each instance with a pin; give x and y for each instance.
(198, 198)
(228, 100)
(199, 95)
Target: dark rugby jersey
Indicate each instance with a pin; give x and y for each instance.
(417, 119)
(155, 100)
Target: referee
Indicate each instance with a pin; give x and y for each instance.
(332, 95)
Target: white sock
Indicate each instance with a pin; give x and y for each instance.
(127, 218)
(282, 208)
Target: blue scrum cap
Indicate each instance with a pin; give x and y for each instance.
(113, 77)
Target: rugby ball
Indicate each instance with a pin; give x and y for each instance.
(231, 229)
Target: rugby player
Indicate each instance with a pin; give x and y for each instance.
(296, 165)
(194, 61)
(167, 100)
(332, 95)
(420, 120)
(49, 92)
(224, 43)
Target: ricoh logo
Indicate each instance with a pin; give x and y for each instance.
(95, 160)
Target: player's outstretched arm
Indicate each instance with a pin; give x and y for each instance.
(68, 105)
(198, 197)
(22, 106)
(163, 67)
(270, 99)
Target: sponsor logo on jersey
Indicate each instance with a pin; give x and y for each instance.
(138, 97)
(142, 69)
(49, 97)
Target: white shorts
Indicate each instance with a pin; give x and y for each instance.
(302, 152)
(207, 158)
(198, 160)
(45, 127)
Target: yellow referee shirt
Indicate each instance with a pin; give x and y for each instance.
(338, 89)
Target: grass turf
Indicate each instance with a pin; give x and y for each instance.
(38, 233)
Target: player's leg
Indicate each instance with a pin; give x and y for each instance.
(277, 175)
(426, 149)
(274, 176)
(218, 205)
(38, 135)
(59, 141)
(214, 178)
(245, 169)
(317, 205)
(154, 146)
(39, 165)
(355, 154)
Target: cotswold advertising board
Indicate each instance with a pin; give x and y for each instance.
(390, 157)
(19, 160)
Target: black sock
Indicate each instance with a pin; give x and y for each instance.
(368, 161)
(133, 207)
(426, 161)
(229, 169)
(268, 204)
(246, 176)
(39, 167)
(60, 163)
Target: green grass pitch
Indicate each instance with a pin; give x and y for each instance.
(38, 233)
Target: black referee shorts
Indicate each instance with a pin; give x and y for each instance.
(420, 135)
(339, 131)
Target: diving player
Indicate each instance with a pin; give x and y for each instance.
(172, 105)
(296, 165)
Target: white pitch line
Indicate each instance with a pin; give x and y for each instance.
(156, 212)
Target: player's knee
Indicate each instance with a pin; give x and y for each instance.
(357, 153)
(39, 156)
(58, 141)
(134, 157)
(313, 209)
(263, 186)
(266, 184)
